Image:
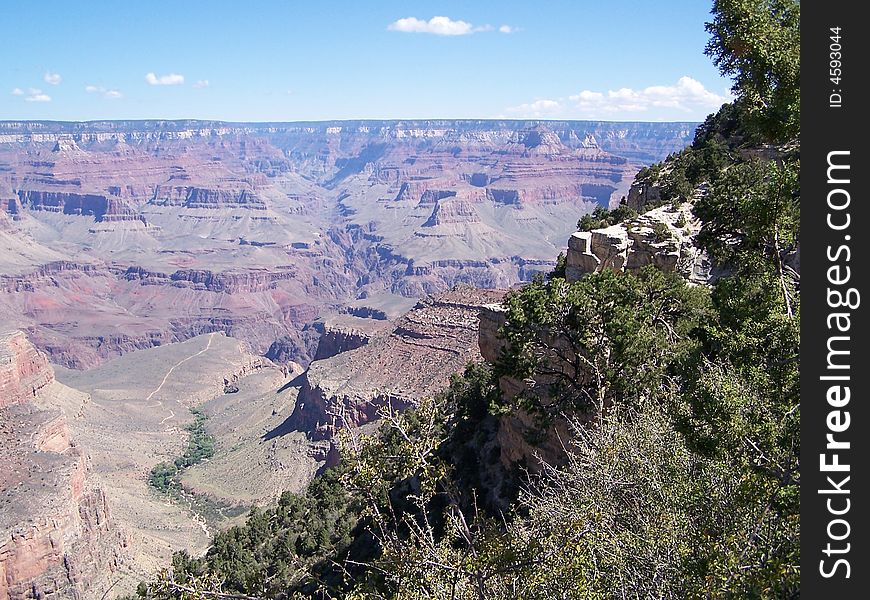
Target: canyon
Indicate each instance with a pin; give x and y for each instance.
(283, 279)
(122, 235)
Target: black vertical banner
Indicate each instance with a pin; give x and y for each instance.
(835, 420)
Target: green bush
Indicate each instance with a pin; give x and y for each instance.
(602, 217)
(661, 232)
(162, 476)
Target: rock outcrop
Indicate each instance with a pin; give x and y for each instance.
(415, 359)
(57, 536)
(24, 371)
(642, 194)
(230, 282)
(200, 197)
(343, 333)
(451, 211)
(101, 207)
(663, 237)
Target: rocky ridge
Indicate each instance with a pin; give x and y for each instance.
(662, 237)
(24, 371)
(57, 535)
(636, 139)
(413, 359)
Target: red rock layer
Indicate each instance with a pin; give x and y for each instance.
(99, 206)
(57, 536)
(24, 370)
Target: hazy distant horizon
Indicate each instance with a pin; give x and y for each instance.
(4, 122)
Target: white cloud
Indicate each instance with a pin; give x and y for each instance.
(588, 96)
(202, 83)
(508, 29)
(436, 26)
(687, 95)
(687, 98)
(537, 109)
(171, 79)
(52, 78)
(106, 93)
(17, 92)
(35, 95)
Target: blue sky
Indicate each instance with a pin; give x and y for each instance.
(270, 60)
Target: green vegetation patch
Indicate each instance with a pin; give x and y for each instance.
(200, 446)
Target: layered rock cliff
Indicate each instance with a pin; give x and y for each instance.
(169, 229)
(24, 371)
(98, 206)
(646, 141)
(343, 333)
(663, 237)
(437, 338)
(57, 535)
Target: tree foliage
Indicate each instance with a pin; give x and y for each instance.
(200, 446)
(609, 337)
(278, 551)
(757, 42)
(603, 217)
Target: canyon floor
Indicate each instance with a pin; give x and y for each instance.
(130, 414)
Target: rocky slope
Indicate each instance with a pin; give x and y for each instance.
(435, 339)
(122, 235)
(133, 416)
(58, 538)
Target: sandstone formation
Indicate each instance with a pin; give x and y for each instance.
(24, 371)
(662, 237)
(57, 535)
(343, 333)
(122, 235)
(642, 193)
(98, 206)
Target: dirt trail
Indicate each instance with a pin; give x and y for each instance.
(159, 403)
(197, 518)
(169, 372)
(178, 364)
